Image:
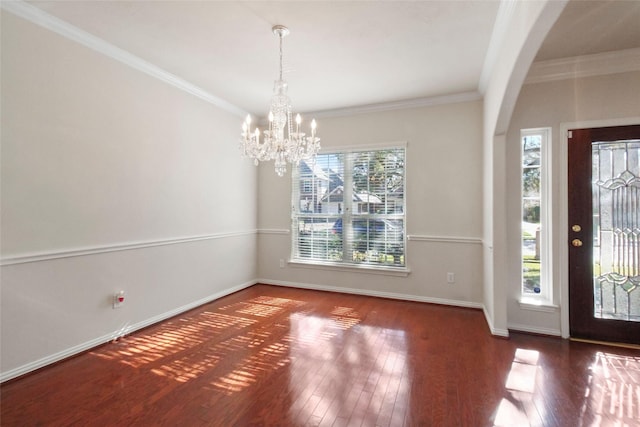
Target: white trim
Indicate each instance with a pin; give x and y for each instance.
(357, 268)
(39, 17)
(430, 101)
(370, 293)
(494, 331)
(346, 215)
(546, 206)
(563, 195)
(500, 26)
(534, 330)
(61, 355)
(537, 304)
(444, 239)
(273, 231)
(391, 295)
(69, 253)
(563, 234)
(599, 64)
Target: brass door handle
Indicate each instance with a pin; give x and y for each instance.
(576, 228)
(576, 242)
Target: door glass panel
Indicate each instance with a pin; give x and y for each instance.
(616, 228)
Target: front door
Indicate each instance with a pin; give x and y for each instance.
(604, 233)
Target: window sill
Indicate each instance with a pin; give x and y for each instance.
(358, 268)
(537, 304)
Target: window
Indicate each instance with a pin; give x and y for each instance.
(535, 225)
(306, 186)
(348, 208)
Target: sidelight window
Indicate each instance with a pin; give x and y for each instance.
(535, 222)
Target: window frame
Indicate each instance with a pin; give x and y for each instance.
(545, 297)
(346, 214)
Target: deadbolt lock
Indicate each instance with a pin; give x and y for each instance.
(576, 228)
(576, 242)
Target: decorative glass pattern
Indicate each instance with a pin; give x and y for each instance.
(616, 226)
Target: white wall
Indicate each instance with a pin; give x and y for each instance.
(443, 196)
(522, 28)
(601, 99)
(111, 180)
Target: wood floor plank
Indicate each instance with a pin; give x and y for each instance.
(274, 356)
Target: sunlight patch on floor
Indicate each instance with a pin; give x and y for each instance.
(613, 392)
(376, 383)
(518, 408)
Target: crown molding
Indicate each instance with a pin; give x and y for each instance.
(382, 107)
(399, 105)
(39, 17)
(598, 64)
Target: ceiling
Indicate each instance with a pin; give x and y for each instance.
(339, 54)
(590, 27)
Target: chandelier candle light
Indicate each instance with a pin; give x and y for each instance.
(293, 147)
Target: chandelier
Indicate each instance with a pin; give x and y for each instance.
(283, 147)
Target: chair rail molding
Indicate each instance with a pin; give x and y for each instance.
(444, 239)
(92, 250)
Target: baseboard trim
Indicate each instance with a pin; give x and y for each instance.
(494, 331)
(72, 351)
(370, 293)
(404, 297)
(516, 327)
(88, 345)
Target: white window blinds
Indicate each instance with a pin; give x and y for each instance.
(349, 208)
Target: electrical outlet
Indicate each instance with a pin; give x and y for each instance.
(118, 299)
(451, 278)
(281, 263)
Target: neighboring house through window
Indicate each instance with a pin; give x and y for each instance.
(348, 208)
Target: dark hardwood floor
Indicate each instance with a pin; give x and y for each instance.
(272, 356)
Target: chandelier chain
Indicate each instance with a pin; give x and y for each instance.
(280, 37)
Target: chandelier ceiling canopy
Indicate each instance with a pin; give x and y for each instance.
(283, 141)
